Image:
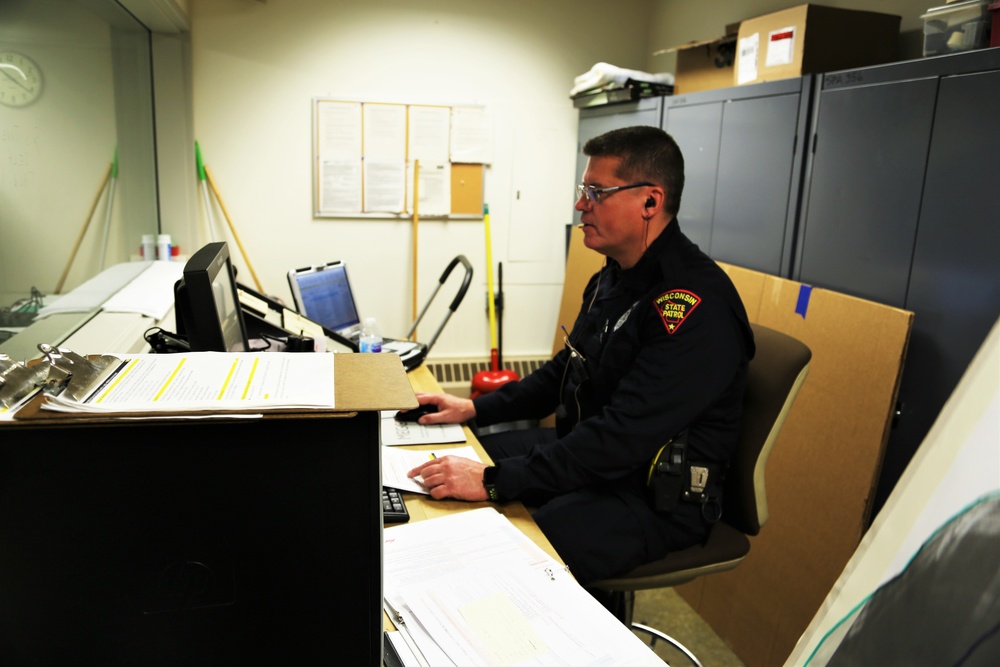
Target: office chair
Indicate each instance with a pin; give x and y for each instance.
(776, 373)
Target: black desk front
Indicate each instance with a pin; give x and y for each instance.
(254, 541)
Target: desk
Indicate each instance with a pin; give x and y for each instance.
(149, 541)
(423, 507)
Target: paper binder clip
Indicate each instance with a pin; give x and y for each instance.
(17, 380)
(73, 375)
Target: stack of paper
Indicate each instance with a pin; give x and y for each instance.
(471, 589)
(209, 382)
(92, 294)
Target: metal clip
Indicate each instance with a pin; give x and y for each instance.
(72, 374)
(17, 380)
(699, 479)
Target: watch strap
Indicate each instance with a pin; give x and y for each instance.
(489, 482)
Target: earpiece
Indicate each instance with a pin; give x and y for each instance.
(650, 202)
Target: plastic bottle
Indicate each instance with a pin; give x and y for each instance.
(148, 247)
(163, 247)
(371, 337)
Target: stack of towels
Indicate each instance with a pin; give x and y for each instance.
(604, 75)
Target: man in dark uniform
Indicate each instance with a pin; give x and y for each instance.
(658, 355)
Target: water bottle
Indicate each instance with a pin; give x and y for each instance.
(371, 337)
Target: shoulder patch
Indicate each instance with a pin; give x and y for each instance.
(674, 306)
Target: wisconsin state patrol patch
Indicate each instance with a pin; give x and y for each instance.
(674, 307)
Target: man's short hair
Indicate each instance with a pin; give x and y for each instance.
(647, 154)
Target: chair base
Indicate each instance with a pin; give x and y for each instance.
(656, 634)
(622, 604)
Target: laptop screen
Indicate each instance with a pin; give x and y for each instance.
(323, 294)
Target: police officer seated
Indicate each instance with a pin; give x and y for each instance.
(647, 392)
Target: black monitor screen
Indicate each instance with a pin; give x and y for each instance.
(206, 304)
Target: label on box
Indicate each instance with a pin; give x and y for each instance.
(780, 47)
(746, 64)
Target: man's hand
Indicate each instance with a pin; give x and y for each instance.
(451, 409)
(452, 477)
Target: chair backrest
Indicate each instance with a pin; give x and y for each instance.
(776, 373)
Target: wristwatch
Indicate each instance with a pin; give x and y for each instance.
(489, 482)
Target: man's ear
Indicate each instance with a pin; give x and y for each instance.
(656, 199)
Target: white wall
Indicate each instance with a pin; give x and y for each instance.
(257, 67)
(46, 190)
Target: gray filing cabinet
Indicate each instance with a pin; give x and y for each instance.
(877, 182)
(901, 208)
(743, 166)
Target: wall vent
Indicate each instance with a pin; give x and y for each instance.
(455, 375)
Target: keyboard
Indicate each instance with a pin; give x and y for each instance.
(393, 508)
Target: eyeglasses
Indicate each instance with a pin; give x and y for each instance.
(597, 195)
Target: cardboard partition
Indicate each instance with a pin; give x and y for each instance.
(581, 264)
(956, 469)
(810, 39)
(822, 474)
(823, 471)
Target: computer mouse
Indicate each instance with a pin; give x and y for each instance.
(416, 413)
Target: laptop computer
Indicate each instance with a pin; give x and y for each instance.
(323, 294)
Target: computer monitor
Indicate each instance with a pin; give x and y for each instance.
(206, 305)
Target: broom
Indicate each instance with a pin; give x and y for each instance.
(490, 380)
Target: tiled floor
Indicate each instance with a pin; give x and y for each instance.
(667, 611)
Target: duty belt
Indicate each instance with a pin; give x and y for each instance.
(672, 478)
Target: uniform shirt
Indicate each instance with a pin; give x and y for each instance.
(665, 347)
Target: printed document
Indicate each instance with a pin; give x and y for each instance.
(471, 589)
(394, 432)
(396, 462)
(209, 382)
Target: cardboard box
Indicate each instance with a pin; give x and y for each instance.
(704, 65)
(810, 39)
(821, 476)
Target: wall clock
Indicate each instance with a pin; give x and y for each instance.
(20, 79)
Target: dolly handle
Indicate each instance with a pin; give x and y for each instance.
(455, 302)
(466, 281)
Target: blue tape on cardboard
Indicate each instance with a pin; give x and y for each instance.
(805, 292)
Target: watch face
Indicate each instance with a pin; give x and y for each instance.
(20, 79)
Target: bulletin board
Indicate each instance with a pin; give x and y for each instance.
(371, 158)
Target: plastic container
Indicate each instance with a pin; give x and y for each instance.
(955, 27)
(163, 247)
(371, 337)
(148, 248)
